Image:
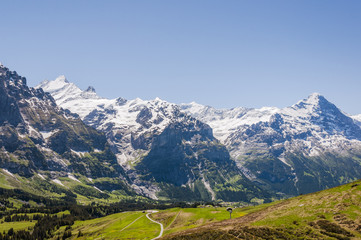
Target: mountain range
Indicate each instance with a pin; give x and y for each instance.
(163, 150)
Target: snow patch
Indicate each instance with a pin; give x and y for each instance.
(8, 172)
(57, 181)
(79, 153)
(208, 187)
(41, 176)
(98, 189)
(73, 178)
(46, 135)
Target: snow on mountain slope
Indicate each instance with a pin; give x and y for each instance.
(357, 119)
(225, 121)
(69, 96)
(129, 122)
(311, 125)
(130, 125)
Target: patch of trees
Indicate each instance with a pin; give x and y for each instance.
(17, 218)
(43, 229)
(25, 196)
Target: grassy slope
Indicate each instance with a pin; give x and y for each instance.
(330, 214)
(117, 226)
(178, 219)
(127, 225)
(5, 226)
(37, 186)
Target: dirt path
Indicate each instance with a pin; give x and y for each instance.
(161, 225)
(173, 220)
(131, 223)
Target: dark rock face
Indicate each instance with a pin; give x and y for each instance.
(9, 110)
(121, 101)
(144, 116)
(141, 142)
(90, 89)
(189, 163)
(170, 160)
(30, 119)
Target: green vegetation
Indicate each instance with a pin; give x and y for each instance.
(179, 219)
(80, 189)
(5, 226)
(330, 214)
(135, 225)
(116, 226)
(27, 216)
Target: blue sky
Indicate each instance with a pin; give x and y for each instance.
(220, 53)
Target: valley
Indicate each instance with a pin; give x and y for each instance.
(328, 214)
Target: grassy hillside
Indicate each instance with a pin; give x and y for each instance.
(126, 225)
(135, 225)
(330, 214)
(77, 187)
(179, 219)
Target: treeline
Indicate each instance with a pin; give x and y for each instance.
(17, 218)
(43, 229)
(27, 209)
(94, 210)
(19, 194)
(23, 217)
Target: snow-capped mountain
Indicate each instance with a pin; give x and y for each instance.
(167, 153)
(313, 130)
(128, 123)
(39, 138)
(306, 147)
(319, 123)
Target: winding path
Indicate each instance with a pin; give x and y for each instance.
(161, 225)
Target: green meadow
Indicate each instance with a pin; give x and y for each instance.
(135, 225)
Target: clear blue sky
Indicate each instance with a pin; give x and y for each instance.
(220, 53)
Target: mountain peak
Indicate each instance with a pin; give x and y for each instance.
(315, 98)
(61, 78)
(90, 89)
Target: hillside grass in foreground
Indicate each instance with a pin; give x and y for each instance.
(179, 219)
(135, 224)
(330, 214)
(126, 225)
